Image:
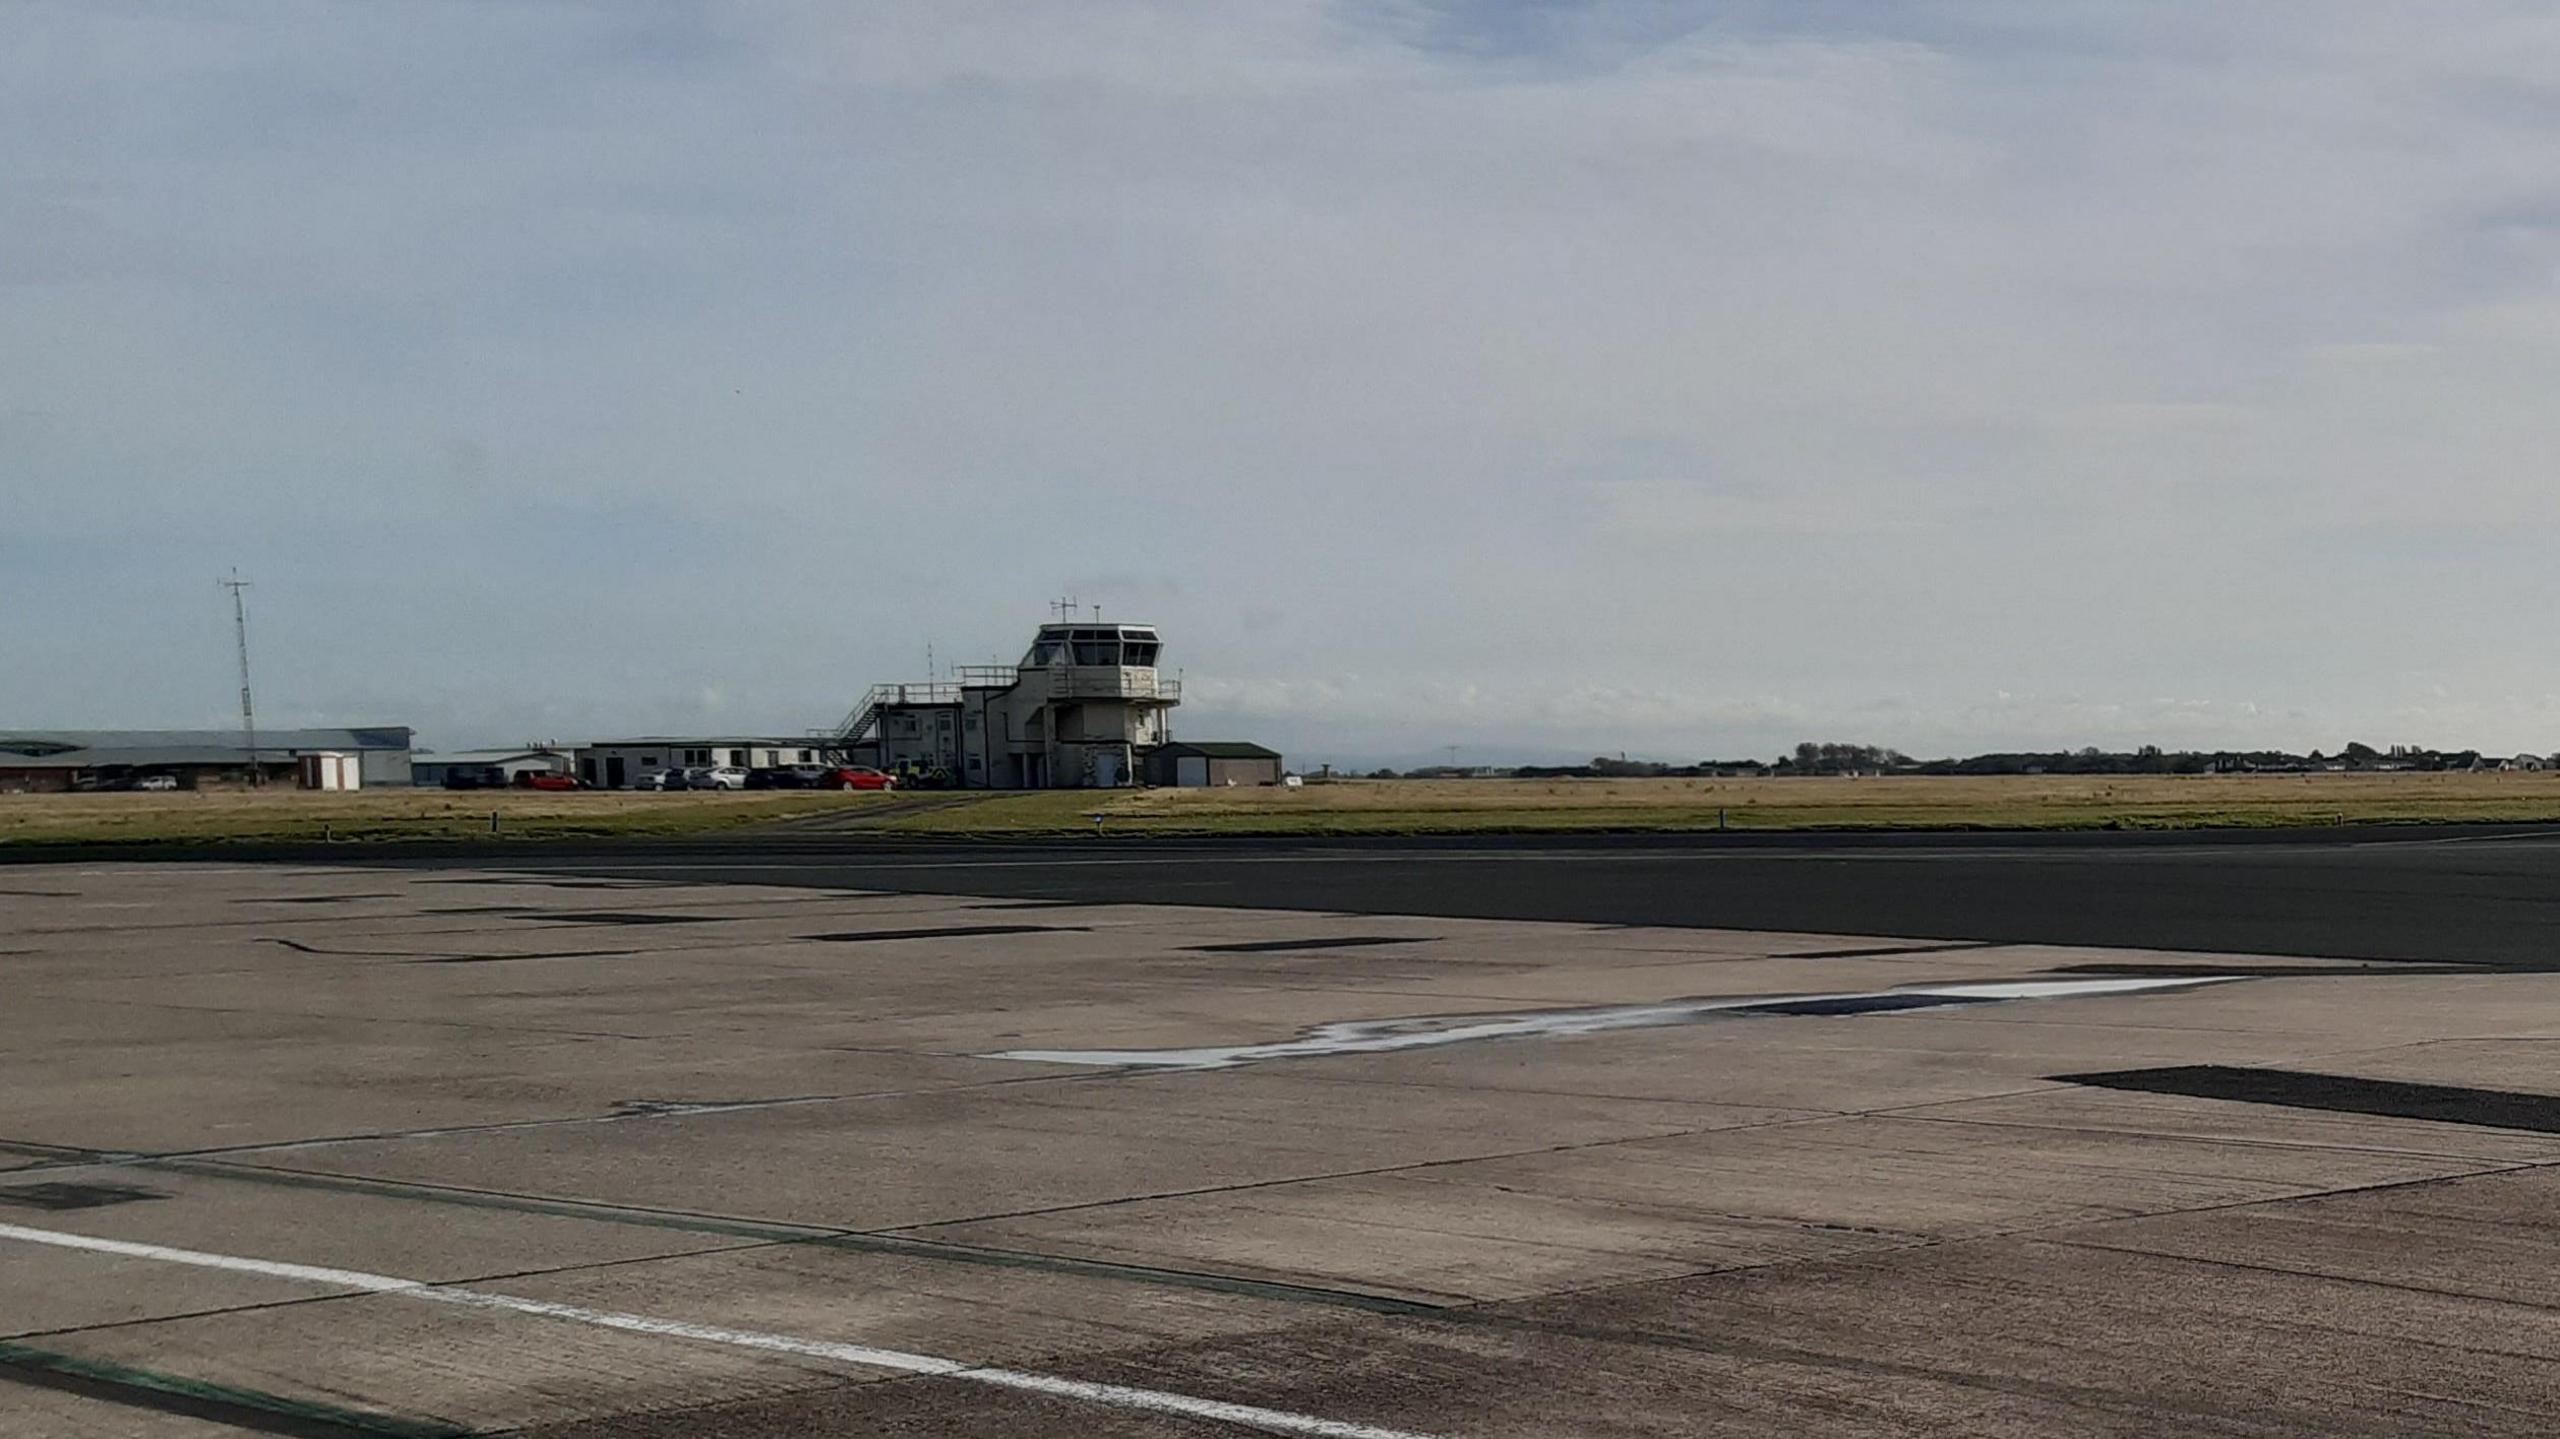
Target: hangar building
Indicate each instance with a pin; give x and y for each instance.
(95, 759)
(1192, 764)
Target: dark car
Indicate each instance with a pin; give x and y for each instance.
(475, 776)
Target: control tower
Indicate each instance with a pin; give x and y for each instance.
(1080, 711)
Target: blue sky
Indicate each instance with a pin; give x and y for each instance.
(1678, 378)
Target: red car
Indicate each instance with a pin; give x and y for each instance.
(545, 779)
(855, 776)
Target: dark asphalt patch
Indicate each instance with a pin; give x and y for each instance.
(311, 898)
(948, 931)
(559, 883)
(2135, 969)
(1348, 941)
(611, 917)
(58, 1198)
(245, 1409)
(510, 958)
(39, 1151)
(1858, 1004)
(1032, 904)
(1881, 950)
(2339, 1094)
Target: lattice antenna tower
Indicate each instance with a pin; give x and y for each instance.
(248, 708)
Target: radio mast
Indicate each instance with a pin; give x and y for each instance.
(248, 711)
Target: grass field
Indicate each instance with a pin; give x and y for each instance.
(1342, 808)
(394, 814)
(1528, 806)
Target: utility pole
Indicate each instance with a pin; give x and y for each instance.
(248, 711)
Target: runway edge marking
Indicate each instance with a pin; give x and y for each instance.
(1118, 1396)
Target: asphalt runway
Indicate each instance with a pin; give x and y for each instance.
(2440, 894)
(771, 1140)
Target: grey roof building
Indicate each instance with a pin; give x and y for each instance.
(1195, 763)
(64, 758)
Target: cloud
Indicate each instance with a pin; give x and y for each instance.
(1701, 372)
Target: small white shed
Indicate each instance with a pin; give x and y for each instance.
(331, 770)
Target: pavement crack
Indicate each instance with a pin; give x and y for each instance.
(2326, 1276)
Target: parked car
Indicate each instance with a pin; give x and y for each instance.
(156, 781)
(475, 776)
(545, 779)
(660, 779)
(787, 776)
(856, 776)
(718, 776)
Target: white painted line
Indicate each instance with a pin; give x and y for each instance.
(1429, 1031)
(1117, 1396)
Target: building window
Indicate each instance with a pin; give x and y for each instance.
(807, 755)
(648, 759)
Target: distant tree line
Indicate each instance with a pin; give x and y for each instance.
(1834, 758)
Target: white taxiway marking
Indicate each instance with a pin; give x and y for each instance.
(1118, 1396)
(1377, 1036)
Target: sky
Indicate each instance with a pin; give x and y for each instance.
(1672, 377)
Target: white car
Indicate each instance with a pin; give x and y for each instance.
(653, 779)
(719, 776)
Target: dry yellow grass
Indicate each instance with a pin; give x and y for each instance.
(390, 814)
(1343, 807)
(2023, 802)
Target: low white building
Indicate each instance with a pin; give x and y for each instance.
(488, 768)
(616, 764)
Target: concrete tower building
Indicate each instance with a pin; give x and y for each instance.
(1084, 709)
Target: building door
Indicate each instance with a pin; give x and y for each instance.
(1191, 770)
(1106, 769)
(614, 773)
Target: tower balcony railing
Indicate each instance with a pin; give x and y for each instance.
(1077, 682)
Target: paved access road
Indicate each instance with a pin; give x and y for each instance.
(773, 1142)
